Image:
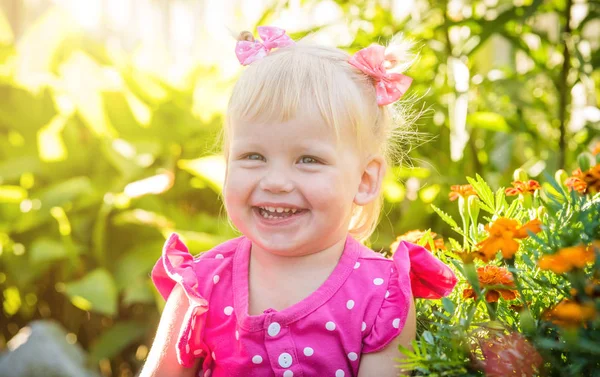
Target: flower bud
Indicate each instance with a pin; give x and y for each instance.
(473, 206)
(584, 161)
(462, 207)
(520, 175)
(561, 176)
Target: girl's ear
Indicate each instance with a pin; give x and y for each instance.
(371, 181)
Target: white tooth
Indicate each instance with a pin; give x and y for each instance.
(294, 210)
(271, 209)
(270, 217)
(286, 210)
(279, 210)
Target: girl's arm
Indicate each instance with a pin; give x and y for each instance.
(162, 358)
(384, 363)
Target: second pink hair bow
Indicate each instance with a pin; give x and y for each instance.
(272, 37)
(389, 86)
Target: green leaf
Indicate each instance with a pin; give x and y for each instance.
(115, 339)
(136, 263)
(484, 192)
(12, 194)
(140, 291)
(45, 250)
(11, 169)
(428, 337)
(488, 120)
(448, 305)
(210, 168)
(511, 209)
(428, 194)
(454, 243)
(501, 203)
(95, 292)
(393, 191)
(447, 218)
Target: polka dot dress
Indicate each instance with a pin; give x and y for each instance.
(360, 308)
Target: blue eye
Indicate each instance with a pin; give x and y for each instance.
(308, 160)
(255, 157)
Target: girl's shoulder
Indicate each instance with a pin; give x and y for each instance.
(195, 273)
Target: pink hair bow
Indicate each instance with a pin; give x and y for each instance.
(389, 86)
(250, 51)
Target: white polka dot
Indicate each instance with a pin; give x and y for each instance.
(274, 329)
(387, 294)
(339, 373)
(187, 348)
(228, 310)
(396, 323)
(219, 256)
(257, 359)
(350, 304)
(356, 265)
(197, 352)
(213, 356)
(363, 327)
(378, 281)
(237, 335)
(285, 360)
(330, 326)
(207, 373)
(216, 279)
(308, 351)
(353, 356)
(193, 322)
(288, 373)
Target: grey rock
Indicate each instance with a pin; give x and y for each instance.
(41, 350)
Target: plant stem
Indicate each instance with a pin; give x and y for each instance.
(563, 89)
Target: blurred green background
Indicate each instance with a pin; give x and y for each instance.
(110, 112)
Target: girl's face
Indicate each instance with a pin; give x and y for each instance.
(290, 186)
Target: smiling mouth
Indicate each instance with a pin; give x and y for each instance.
(278, 212)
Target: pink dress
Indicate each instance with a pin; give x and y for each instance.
(361, 307)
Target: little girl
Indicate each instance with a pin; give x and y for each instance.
(306, 144)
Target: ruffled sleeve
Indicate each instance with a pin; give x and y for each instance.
(175, 266)
(429, 277)
(415, 273)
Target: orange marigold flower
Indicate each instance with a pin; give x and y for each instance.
(596, 149)
(575, 182)
(491, 277)
(520, 187)
(415, 236)
(570, 313)
(568, 258)
(510, 355)
(502, 235)
(461, 190)
(591, 178)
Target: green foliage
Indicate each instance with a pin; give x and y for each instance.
(97, 166)
(453, 331)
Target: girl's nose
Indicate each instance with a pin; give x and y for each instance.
(276, 181)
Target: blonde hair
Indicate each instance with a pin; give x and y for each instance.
(301, 78)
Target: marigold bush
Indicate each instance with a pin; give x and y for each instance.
(529, 302)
